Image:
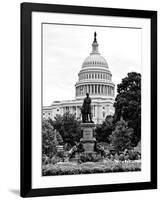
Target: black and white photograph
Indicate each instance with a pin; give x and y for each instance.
(91, 99)
(88, 85)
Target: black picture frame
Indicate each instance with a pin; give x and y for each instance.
(26, 95)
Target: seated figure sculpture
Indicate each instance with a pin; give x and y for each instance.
(86, 110)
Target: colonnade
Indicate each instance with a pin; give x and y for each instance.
(95, 89)
(85, 76)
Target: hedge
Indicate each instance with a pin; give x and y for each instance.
(68, 168)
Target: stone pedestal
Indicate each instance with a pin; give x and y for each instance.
(88, 141)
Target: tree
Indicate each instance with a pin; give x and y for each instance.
(121, 137)
(48, 139)
(68, 127)
(104, 130)
(128, 103)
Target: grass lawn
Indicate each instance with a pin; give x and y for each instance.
(106, 166)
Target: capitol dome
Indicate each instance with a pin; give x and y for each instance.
(95, 60)
(95, 77)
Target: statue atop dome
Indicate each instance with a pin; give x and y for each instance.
(95, 34)
(95, 45)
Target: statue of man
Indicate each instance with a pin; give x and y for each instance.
(86, 110)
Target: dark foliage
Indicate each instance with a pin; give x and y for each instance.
(68, 127)
(128, 103)
(121, 137)
(104, 130)
(48, 139)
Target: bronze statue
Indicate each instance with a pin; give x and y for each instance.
(86, 110)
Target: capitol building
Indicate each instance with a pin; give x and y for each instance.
(94, 78)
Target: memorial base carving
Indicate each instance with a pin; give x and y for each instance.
(88, 140)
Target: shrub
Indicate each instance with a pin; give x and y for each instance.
(89, 157)
(68, 168)
(133, 155)
(121, 137)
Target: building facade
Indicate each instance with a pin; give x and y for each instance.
(94, 78)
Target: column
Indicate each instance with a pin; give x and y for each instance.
(112, 91)
(77, 92)
(92, 88)
(108, 91)
(103, 90)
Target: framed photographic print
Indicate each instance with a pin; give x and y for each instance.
(88, 99)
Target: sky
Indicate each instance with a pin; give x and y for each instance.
(65, 48)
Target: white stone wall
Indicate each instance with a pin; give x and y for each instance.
(99, 110)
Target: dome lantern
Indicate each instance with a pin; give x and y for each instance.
(95, 45)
